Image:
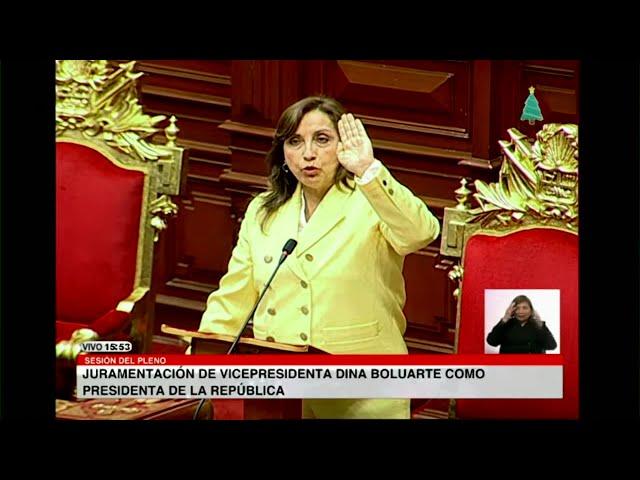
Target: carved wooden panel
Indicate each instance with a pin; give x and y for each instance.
(255, 99)
(199, 94)
(419, 102)
(209, 215)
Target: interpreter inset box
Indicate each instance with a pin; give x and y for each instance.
(531, 325)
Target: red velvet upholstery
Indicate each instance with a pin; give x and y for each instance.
(530, 259)
(98, 208)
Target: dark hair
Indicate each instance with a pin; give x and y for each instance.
(534, 317)
(283, 184)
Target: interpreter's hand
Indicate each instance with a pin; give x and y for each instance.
(355, 151)
(509, 312)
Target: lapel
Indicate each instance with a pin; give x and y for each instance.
(329, 213)
(284, 227)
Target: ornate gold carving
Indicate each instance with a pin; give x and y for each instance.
(538, 183)
(171, 132)
(454, 230)
(101, 100)
(461, 195)
(537, 187)
(455, 275)
(69, 349)
(161, 209)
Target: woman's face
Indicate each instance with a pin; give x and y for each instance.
(523, 311)
(310, 153)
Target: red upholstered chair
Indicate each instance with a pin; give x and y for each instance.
(522, 236)
(111, 202)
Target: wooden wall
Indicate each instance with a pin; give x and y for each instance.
(431, 122)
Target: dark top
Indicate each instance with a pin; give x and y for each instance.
(513, 337)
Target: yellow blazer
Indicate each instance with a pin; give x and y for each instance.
(342, 289)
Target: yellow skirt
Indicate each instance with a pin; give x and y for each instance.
(356, 408)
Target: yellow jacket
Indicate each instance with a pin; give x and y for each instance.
(342, 289)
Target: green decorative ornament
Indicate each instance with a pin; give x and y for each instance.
(531, 110)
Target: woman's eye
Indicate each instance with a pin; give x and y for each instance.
(293, 141)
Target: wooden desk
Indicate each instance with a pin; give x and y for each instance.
(129, 409)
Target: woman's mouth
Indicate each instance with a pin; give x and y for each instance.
(311, 171)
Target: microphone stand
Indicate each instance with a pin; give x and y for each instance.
(286, 251)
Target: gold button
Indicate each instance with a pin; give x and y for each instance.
(391, 191)
(268, 258)
(303, 336)
(303, 284)
(270, 339)
(271, 311)
(305, 310)
(309, 257)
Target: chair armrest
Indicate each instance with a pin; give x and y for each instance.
(69, 349)
(128, 304)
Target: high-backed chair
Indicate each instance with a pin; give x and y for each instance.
(112, 200)
(521, 234)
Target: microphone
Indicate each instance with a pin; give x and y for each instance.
(286, 251)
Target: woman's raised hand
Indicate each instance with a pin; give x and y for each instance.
(355, 151)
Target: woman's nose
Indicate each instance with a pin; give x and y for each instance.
(309, 151)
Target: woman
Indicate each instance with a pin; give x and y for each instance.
(520, 330)
(342, 289)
